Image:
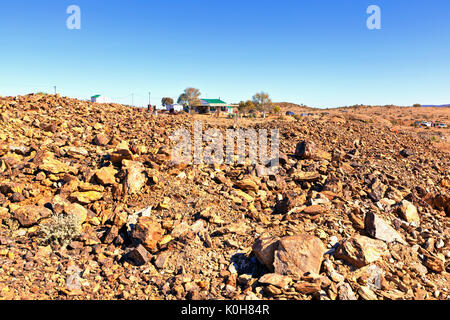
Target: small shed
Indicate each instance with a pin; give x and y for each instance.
(98, 98)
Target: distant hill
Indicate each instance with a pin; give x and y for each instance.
(436, 106)
(296, 108)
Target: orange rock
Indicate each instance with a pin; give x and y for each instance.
(361, 251)
(148, 232)
(297, 255)
(31, 215)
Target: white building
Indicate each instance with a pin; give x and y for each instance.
(176, 107)
(99, 99)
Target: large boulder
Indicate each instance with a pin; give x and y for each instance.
(379, 229)
(264, 249)
(361, 251)
(297, 255)
(31, 215)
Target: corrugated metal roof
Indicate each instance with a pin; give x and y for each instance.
(214, 101)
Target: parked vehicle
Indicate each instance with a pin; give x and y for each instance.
(441, 125)
(290, 113)
(426, 124)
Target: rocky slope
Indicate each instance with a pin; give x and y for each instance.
(91, 207)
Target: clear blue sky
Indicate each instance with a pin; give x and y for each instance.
(316, 52)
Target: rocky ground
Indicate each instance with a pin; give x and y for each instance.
(91, 207)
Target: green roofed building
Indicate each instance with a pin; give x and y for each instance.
(98, 98)
(211, 105)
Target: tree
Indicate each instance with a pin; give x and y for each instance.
(241, 107)
(262, 102)
(166, 101)
(246, 106)
(249, 106)
(190, 98)
(183, 100)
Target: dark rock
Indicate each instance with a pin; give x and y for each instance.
(139, 256)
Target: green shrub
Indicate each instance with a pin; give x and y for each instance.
(61, 229)
(276, 109)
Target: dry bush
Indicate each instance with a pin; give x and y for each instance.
(61, 229)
